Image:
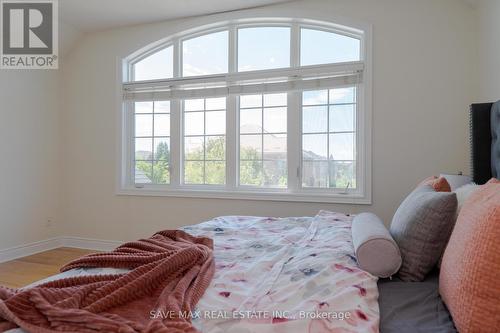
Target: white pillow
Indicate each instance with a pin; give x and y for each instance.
(463, 193)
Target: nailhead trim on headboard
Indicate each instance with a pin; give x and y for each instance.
(471, 149)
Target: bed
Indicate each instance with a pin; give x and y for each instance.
(296, 274)
(284, 267)
(281, 268)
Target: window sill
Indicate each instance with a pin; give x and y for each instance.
(258, 195)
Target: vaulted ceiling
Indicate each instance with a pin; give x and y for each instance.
(95, 15)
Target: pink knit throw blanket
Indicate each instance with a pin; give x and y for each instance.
(170, 272)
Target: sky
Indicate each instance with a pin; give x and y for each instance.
(258, 48)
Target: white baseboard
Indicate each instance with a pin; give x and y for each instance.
(53, 243)
(90, 243)
(29, 249)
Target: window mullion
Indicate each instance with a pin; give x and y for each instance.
(232, 128)
(177, 58)
(175, 143)
(295, 46)
(176, 123)
(233, 49)
(293, 118)
(130, 143)
(360, 140)
(232, 163)
(293, 141)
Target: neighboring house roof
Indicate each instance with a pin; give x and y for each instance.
(141, 177)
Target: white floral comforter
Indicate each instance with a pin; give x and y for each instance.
(282, 275)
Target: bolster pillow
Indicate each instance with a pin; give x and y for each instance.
(376, 251)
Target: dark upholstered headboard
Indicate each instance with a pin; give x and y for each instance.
(485, 141)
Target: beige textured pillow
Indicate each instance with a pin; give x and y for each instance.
(421, 227)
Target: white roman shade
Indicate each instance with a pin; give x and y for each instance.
(266, 81)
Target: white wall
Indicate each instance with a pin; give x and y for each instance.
(423, 83)
(31, 161)
(29, 166)
(489, 50)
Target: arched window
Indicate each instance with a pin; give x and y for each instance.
(254, 109)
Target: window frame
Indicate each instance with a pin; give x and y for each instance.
(231, 190)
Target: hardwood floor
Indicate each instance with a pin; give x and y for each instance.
(23, 271)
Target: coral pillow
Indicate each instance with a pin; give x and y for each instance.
(439, 184)
(469, 278)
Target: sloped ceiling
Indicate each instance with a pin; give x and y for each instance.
(96, 15)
